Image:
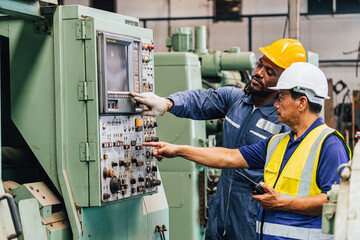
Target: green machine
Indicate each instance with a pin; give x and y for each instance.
(71, 134)
(188, 185)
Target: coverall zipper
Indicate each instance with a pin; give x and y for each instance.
(231, 179)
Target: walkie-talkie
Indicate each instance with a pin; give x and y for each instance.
(256, 188)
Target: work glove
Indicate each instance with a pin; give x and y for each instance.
(157, 105)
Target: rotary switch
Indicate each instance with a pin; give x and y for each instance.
(108, 172)
(115, 185)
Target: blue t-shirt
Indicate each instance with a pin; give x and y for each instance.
(333, 154)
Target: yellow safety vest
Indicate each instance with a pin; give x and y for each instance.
(298, 178)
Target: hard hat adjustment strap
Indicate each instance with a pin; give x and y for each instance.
(312, 97)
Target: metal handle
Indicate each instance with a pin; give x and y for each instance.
(14, 215)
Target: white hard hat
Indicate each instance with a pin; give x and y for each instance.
(306, 78)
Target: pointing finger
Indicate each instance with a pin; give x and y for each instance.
(151, 144)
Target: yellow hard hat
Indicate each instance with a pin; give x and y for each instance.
(284, 52)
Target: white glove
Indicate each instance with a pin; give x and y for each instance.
(157, 105)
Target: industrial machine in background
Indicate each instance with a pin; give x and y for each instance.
(189, 185)
(341, 216)
(71, 135)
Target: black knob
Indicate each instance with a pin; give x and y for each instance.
(133, 160)
(148, 169)
(121, 163)
(114, 164)
(133, 181)
(115, 185)
(148, 183)
(156, 182)
(141, 179)
(138, 164)
(147, 154)
(154, 168)
(155, 124)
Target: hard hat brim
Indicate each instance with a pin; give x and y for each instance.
(288, 88)
(268, 55)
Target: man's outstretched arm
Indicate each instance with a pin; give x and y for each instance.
(216, 157)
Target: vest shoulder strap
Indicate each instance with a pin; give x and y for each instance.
(273, 143)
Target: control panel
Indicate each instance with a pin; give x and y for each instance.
(128, 168)
(147, 54)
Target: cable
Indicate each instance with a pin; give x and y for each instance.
(162, 235)
(207, 83)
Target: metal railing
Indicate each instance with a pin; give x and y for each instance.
(250, 18)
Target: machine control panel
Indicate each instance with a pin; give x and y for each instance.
(128, 168)
(147, 54)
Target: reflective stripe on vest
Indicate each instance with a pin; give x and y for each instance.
(298, 178)
(280, 230)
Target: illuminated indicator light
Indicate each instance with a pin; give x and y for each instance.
(138, 122)
(110, 40)
(112, 105)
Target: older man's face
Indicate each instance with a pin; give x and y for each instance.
(287, 108)
(266, 74)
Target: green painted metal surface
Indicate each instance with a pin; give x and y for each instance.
(181, 41)
(312, 57)
(200, 40)
(33, 229)
(20, 8)
(174, 72)
(213, 64)
(46, 69)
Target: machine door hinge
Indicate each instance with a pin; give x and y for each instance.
(84, 29)
(86, 91)
(87, 152)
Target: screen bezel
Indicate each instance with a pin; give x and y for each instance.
(127, 103)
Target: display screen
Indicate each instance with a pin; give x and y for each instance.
(117, 66)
